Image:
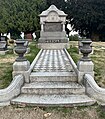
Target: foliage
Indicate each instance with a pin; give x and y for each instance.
(59, 4)
(73, 38)
(20, 15)
(74, 53)
(87, 17)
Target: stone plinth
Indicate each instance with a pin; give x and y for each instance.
(84, 67)
(53, 45)
(3, 47)
(20, 67)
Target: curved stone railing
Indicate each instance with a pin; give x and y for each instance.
(93, 90)
(27, 73)
(12, 90)
(72, 62)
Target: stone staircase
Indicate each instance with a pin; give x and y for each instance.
(53, 82)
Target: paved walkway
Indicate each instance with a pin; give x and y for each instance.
(53, 61)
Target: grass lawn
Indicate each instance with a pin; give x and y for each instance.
(89, 112)
(6, 62)
(98, 58)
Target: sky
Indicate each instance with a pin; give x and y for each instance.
(72, 32)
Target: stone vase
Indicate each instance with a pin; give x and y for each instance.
(20, 50)
(86, 49)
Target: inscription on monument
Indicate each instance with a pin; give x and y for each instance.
(53, 27)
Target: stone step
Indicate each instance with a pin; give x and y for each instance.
(53, 100)
(53, 76)
(53, 88)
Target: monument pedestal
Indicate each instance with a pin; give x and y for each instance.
(20, 67)
(3, 52)
(53, 45)
(85, 67)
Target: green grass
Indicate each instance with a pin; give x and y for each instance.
(101, 111)
(6, 63)
(33, 52)
(6, 76)
(98, 58)
(74, 52)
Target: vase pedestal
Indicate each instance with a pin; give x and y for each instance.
(20, 67)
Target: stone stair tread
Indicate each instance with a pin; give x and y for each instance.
(41, 74)
(53, 100)
(53, 85)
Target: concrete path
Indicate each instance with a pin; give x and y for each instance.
(53, 61)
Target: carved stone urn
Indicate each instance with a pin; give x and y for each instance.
(20, 50)
(86, 49)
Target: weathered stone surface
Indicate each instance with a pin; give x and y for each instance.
(85, 67)
(3, 45)
(93, 90)
(20, 67)
(53, 45)
(3, 52)
(11, 91)
(52, 76)
(28, 72)
(53, 100)
(53, 82)
(52, 27)
(53, 65)
(39, 88)
(53, 61)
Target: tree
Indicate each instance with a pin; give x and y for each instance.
(60, 4)
(87, 17)
(20, 15)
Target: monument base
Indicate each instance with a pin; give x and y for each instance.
(53, 37)
(84, 67)
(20, 67)
(53, 45)
(3, 52)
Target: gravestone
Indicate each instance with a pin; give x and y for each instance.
(3, 45)
(53, 33)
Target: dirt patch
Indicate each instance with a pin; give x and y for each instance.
(6, 60)
(38, 113)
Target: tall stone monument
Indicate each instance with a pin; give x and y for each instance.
(53, 35)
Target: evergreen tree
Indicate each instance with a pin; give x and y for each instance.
(20, 15)
(87, 16)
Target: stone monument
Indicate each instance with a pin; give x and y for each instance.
(21, 64)
(53, 33)
(3, 45)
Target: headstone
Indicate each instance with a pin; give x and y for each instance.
(52, 28)
(3, 44)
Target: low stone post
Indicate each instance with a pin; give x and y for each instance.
(85, 65)
(21, 64)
